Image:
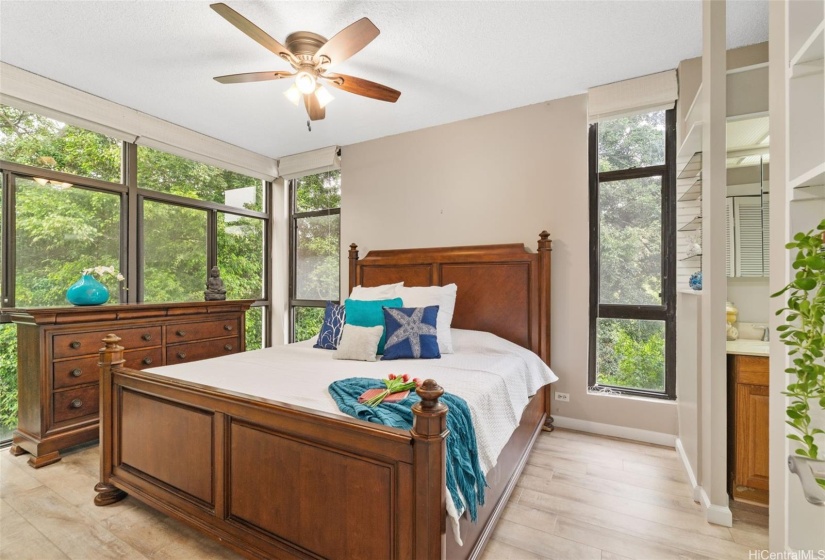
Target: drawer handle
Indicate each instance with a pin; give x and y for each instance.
(75, 344)
(228, 347)
(77, 403)
(227, 328)
(182, 355)
(181, 333)
(76, 372)
(147, 360)
(147, 336)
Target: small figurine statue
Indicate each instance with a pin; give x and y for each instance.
(215, 290)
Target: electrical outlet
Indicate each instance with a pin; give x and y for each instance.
(564, 397)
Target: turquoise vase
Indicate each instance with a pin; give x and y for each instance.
(87, 291)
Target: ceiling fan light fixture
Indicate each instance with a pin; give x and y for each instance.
(293, 94)
(41, 181)
(305, 82)
(324, 96)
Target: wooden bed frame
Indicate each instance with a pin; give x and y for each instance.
(273, 480)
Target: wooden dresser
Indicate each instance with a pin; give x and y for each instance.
(57, 360)
(748, 439)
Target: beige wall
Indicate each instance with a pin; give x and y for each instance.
(500, 178)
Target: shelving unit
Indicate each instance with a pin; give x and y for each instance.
(693, 192)
(692, 258)
(804, 105)
(806, 100)
(693, 225)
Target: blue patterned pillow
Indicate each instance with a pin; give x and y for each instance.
(332, 327)
(411, 333)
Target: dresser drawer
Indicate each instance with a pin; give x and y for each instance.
(75, 372)
(191, 351)
(84, 344)
(186, 332)
(74, 403)
(142, 359)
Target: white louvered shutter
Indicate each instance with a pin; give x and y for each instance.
(748, 236)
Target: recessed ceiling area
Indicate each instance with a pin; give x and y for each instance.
(450, 60)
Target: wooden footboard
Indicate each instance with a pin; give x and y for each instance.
(273, 480)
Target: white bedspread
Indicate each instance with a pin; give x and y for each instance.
(494, 376)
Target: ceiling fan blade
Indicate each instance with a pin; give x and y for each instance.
(252, 77)
(253, 31)
(314, 109)
(348, 41)
(360, 86)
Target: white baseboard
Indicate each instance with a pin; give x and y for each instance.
(635, 434)
(718, 515)
(680, 450)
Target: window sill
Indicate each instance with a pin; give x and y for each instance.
(663, 399)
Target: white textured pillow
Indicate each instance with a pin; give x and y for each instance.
(386, 291)
(444, 298)
(358, 343)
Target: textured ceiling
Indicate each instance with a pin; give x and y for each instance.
(450, 60)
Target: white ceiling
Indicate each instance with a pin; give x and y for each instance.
(450, 60)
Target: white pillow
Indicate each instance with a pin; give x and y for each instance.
(387, 291)
(358, 343)
(444, 298)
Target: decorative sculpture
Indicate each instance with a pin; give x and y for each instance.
(215, 290)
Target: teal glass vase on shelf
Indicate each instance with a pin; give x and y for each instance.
(87, 291)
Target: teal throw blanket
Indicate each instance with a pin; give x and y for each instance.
(463, 469)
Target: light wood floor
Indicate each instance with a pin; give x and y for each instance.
(580, 497)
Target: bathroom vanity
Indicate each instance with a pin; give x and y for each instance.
(748, 463)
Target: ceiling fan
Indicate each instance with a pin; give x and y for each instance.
(311, 55)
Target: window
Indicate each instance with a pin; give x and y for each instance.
(632, 266)
(64, 207)
(315, 250)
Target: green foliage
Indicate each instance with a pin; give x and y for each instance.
(630, 353)
(8, 377)
(308, 322)
(318, 249)
(804, 334)
(40, 142)
(628, 142)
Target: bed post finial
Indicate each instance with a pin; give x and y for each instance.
(110, 355)
(353, 266)
(429, 434)
(545, 243)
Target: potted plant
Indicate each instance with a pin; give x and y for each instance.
(804, 333)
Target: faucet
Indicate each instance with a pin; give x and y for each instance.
(766, 336)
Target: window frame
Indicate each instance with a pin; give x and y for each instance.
(666, 312)
(132, 234)
(294, 216)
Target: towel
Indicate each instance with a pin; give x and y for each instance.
(465, 479)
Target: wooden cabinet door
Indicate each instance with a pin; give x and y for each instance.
(751, 442)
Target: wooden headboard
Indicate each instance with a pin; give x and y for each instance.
(502, 289)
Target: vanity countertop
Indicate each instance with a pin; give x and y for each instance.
(748, 347)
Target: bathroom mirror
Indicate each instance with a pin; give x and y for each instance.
(747, 211)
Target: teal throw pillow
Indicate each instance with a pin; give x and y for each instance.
(370, 314)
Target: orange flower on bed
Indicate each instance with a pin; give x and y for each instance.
(394, 384)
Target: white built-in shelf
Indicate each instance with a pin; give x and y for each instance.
(693, 168)
(811, 178)
(694, 191)
(690, 291)
(810, 58)
(692, 142)
(811, 192)
(693, 225)
(692, 258)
